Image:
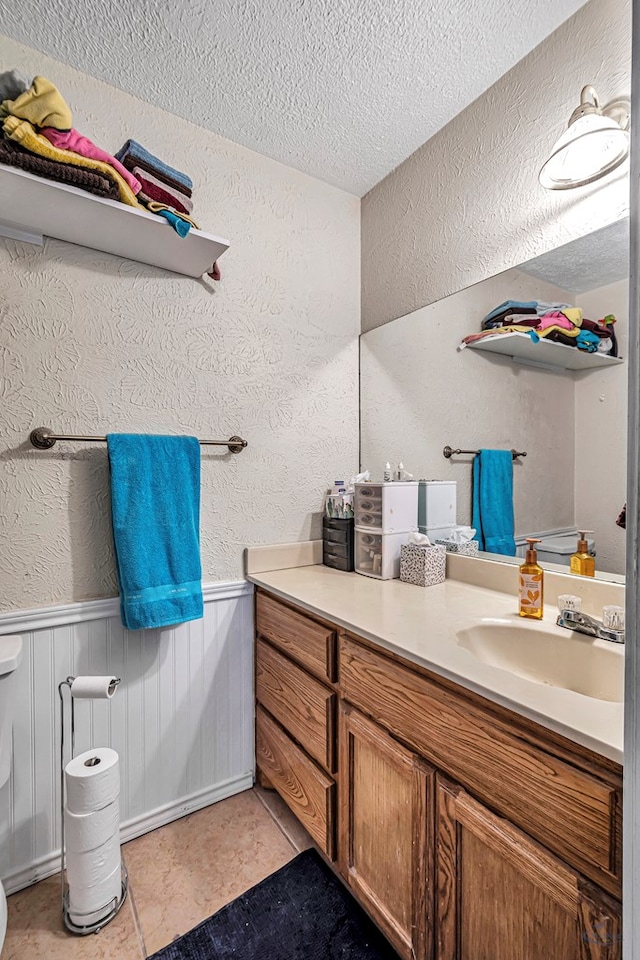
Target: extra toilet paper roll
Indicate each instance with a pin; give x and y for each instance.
(89, 869)
(92, 780)
(94, 688)
(86, 831)
(89, 905)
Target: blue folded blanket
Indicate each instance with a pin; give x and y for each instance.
(134, 150)
(155, 502)
(507, 305)
(493, 501)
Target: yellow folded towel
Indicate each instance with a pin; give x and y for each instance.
(42, 105)
(155, 207)
(574, 314)
(23, 133)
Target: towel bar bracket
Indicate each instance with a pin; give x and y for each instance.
(43, 439)
(40, 438)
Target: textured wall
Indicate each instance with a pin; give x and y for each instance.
(91, 343)
(601, 435)
(418, 394)
(468, 204)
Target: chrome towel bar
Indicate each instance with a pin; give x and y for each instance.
(43, 439)
(449, 452)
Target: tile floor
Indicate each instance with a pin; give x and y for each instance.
(178, 875)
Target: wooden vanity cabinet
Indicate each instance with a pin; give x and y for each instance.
(385, 841)
(501, 896)
(466, 831)
(296, 714)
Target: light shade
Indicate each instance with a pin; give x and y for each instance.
(594, 144)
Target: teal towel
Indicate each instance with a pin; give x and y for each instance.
(493, 501)
(180, 226)
(155, 502)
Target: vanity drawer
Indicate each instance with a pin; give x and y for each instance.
(304, 640)
(304, 787)
(304, 707)
(574, 814)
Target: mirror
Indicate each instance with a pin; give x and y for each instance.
(420, 393)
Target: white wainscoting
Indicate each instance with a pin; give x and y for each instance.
(181, 721)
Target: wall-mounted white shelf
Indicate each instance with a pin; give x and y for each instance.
(32, 208)
(521, 349)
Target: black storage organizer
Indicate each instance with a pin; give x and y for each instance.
(337, 543)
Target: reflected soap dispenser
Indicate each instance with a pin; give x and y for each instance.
(531, 584)
(582, 562)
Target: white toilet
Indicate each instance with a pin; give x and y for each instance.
(10, 655)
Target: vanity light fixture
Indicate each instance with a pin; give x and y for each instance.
(595, 143)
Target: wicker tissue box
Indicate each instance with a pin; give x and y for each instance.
(424, 566)
(468, 549)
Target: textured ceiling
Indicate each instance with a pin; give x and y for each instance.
(341, 89)
(590, 262)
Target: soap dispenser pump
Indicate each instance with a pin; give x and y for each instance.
(582, 562)
(531, 584)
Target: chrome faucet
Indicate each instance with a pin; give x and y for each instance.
(582, 623)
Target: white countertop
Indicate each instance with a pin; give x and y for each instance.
(421, 624)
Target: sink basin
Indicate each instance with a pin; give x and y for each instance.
(551, 655)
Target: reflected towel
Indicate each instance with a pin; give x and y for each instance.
(155, 503)
(493, 501)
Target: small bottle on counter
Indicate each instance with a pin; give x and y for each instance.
(386, 476)
(531, 584)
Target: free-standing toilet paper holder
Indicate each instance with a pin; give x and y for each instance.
(116, 903)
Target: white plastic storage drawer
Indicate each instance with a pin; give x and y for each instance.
(378, 554)
(387, 507)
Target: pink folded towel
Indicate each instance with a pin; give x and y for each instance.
(76, 143)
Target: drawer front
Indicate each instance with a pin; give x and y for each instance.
(575, 815)
(330, 535)
(304, 787)
(304, 707)
(340, 550)
(304, 640)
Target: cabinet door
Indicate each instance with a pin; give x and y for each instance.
(386, 831)
(500, 896)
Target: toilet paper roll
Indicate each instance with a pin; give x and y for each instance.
(94, 688)
(92, 780)
(89, 905)
(90, 868)
(86, 831)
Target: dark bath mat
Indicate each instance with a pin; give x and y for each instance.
(301, 912)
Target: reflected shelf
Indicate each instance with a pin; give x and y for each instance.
(520, 348)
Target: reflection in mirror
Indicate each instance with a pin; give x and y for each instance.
(420, 393)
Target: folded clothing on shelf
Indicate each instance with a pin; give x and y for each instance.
(22, 132)
(161, 192)
(93, 182)
(12, 84)
(533, 308)
(76, 143)
(42, 105)
(133, 154)
(161, 208)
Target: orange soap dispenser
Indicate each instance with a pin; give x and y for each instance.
(531, 584)
(582, 562)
